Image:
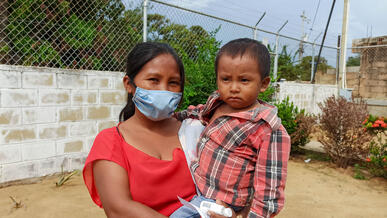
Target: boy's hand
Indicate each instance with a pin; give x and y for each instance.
(215, 215)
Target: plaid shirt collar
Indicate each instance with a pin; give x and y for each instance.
(266, 112)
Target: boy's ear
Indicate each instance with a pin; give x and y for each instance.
(128, 85)
(264, 84)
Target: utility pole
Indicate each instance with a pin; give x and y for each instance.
(343, 43)
(337, 66)
(303, 37)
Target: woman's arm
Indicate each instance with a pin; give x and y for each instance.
(112, 184)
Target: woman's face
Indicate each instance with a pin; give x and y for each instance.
(161, 73)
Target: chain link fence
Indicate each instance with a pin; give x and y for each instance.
(88, 34)
(98, 34)
(224, 30)
(366, 73)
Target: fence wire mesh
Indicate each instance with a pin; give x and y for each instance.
(366, 72)
(89, 34)
(224, 30)
(98, 34)
(371, 54)
(187, 31)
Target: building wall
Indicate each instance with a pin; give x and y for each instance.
(306, 96)
(353, 76)
(49, 117)
(373, 80)
(368, 81)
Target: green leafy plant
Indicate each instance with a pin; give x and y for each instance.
(353, 61)
(343, 136)
(200, 72)
(296, 122)
(78, 33)
(287, 111)
(64, 177)
(268, 94)
(42, 53)
(377, 159)
(358, 172)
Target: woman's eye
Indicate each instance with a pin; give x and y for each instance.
(153, 79)
(175, 83)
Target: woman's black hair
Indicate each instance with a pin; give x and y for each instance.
(140, 55)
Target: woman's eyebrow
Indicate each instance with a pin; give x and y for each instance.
(153, 74)
(175, 77)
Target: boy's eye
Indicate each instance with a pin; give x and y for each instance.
(244, 80)
(225, 79)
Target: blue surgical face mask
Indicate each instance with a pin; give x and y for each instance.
(156, 104)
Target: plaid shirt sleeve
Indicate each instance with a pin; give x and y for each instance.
(273, 148)
(193, 112)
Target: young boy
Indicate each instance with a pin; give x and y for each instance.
(244, 149)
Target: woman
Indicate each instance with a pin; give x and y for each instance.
(138, 168)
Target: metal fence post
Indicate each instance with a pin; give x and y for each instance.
(145, 15)
(338, 65)
(255, 27)
(276, 51)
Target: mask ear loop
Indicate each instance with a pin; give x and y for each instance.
(131, 81)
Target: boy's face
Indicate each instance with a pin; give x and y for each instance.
(239, 81)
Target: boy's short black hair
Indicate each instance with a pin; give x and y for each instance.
(250, 47)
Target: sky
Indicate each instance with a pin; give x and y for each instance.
(366, 18)
(363, 15)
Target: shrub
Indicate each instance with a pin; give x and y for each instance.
(344, 138)
(304, 128)
(297, 124)
(200, 73)
(376, 162)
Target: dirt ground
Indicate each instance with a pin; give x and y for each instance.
(314, 189)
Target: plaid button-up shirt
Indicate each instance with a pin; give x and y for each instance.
(242, 157)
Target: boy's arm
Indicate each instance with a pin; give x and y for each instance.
(193, 112)
(270, 173)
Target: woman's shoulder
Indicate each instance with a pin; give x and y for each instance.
(108, 133)
(107, 138)
(107, 146)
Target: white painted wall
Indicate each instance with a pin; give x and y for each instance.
(49, 117)
(306, 96)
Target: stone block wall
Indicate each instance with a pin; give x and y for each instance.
(49, 117)
(373, 80)
(306, 96)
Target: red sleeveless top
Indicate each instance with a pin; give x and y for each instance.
(153, 182)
